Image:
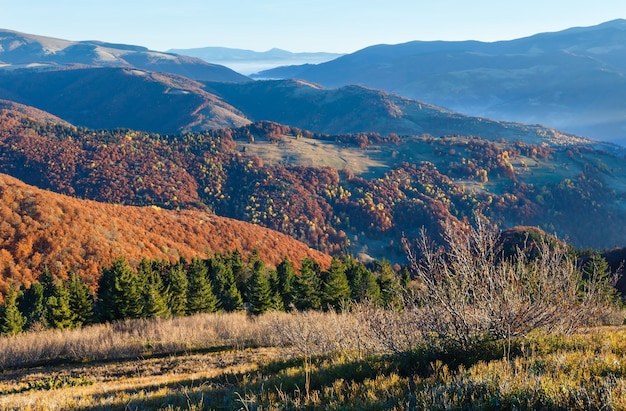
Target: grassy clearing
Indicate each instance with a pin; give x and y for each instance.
(306, 361)
(317, 153)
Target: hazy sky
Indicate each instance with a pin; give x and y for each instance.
(298, 25)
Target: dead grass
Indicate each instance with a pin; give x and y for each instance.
(317, 153)
(309, 360)
(133, 339)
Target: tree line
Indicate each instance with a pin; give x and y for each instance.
(160, 289)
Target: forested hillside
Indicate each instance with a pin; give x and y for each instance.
(41, 229)
(374, 190)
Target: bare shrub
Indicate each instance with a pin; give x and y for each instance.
(384, 330)
(471, 292)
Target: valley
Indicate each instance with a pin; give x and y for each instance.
(177, 235)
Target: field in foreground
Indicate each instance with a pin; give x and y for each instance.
(302, 361)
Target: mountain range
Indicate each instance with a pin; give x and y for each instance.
(114, 97)
(20, 50)
(573, 80)
(346, 169)
(249, 62)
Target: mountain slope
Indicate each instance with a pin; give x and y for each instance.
(39, 228)
(107, 98)
(572, 80)
(19, 50)
(354, 109)
(359, 193)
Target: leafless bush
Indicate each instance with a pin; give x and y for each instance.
(471, 292)
(388, 330)
(315, 332)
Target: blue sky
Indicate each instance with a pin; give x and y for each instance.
(298, 25)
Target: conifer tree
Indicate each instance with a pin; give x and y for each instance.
(119, 293)
(154, 296)
(244, 277)
(390, 289)
(48, 282)
(32, 305)
(12, 321)
(200, 295)
(286, 277)
(59, 313)
(260, 293)
(128, 289)
(81, 301)
(178, 286)
(277, 299)
(224, 284)
(335, 289)
(307, 286)
(363, 284)
(597, 271)
(240, 274)
(405, 278)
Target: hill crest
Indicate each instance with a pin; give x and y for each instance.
(40, 228)
(21, 50)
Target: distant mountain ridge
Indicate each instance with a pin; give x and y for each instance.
(21, 50)
(249, 62)
(108, 98)
(573, 80)
(356, 109)
(112, 97)
(217, 54)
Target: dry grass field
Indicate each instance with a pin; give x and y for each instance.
(308, 360)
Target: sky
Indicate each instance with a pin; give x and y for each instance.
(341, 26)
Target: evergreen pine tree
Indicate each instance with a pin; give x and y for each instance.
(240, 273)
(307, 286)
(390, 288)
(12, 321)
(224, 284)
(243, 282)
(105, 303)
(335, 289)
(47, 281)
(31, 303)
(178, 286)
(155, 296)
(119, 293)
(81, 301)
(200, 295)
(405, 278)
(260, 293)
(128, 288)
(277, 299)
(59, 313)
(597, 273)
(363, 284)
(286, 277)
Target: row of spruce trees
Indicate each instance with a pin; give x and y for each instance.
(159, 289)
